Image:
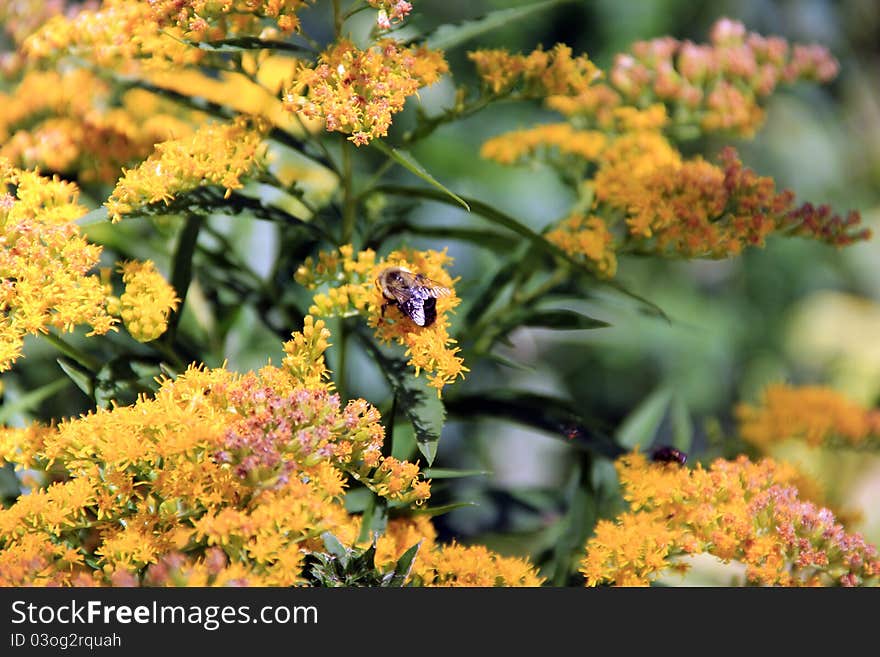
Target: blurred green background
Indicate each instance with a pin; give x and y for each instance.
(796, 311)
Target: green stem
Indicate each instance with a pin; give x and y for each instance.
(72, 352)
(343, 352)
(338, 18)
(349, 201)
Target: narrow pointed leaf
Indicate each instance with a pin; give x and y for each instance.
(334, 547)
(640, 426)
(449, 36)
(404, 566)
(78, 374)
(682, 427)
(440, 510)
(447, 473)
(408, 162)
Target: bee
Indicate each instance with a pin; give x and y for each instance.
(669, 455)
(414, 294)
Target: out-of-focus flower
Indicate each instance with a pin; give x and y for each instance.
(66, 122)
(390, 12)
(216, 154)
(205, 20)
(814, 414)
(352, 290)
(357, 91)
(512, 147)
(539, 74)
(123, 34)
(44, 262)
(735, 510)
(578, 235)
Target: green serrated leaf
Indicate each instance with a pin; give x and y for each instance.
(415, 399)
(448, 473)
(30, 400)
(682, 427)
(78, 374)
(408, 162)
(403, 567)
(449, 36)
(640, 426)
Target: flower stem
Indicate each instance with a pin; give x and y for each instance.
(72, 352)
(349, 201)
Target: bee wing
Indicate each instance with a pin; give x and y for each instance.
(414, 308)
(433, 288)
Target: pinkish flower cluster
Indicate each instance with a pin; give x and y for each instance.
(716, 86)
(279, 434)
(818, 543)
(390, 12)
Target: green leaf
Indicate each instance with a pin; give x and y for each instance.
(561, 320)
(449, 36)
(419, 403)
(182, 268)
(640, 426)
(447, 473)
(78, 374)
(374, 519)
(241, 44)
(29, 400)
(122, 379)
(539, 241)
(557, 417)
(440, 510)
(578, 524)
(335, 547)
(403, 567)
(96, 216)
(682, 427)
(407, 161)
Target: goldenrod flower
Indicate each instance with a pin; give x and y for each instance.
(735, 510)
(474, 565)
(44, 262)
(589, 237)
(254, 465)
(390, 12)
(208, 20)
(147, 302)
(352, 291)
(122, 34)
(512, 147)
(539, 74)
(813, 414)
(217, 154)
(67, 122)
(357, 91)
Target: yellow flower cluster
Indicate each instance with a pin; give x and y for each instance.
(357, 91)
(147, 302)
(539, 74)
(735, 510)
(21, 17)
(511, 147)
(209, 20)
(65, 122)
(219, 477)
(589, 237)
(353, 291)
(813, 414)
(216, 154)
(44, 262)
(120, 34)
(445, 565)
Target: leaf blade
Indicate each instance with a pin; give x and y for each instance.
(408, 162)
